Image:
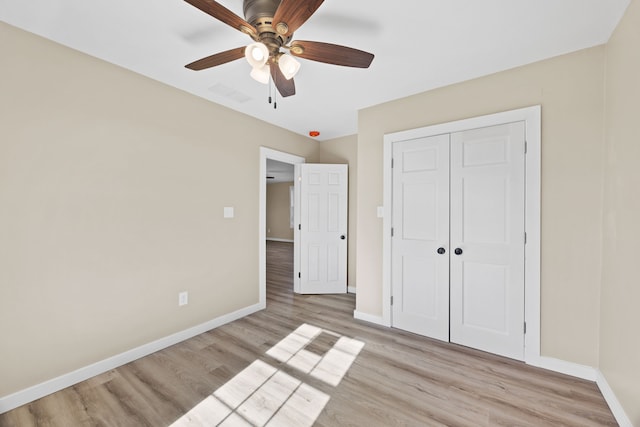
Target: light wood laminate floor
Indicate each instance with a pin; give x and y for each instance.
(378, 377)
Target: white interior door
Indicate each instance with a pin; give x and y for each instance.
(420, 241)
(487, 239)
(322, 203)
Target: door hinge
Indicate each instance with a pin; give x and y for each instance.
(525, 327)
(525, 237)
(391, 231)
(392, 163)
(526, 147)
(299, 276)
(391, 299)
(299, 226)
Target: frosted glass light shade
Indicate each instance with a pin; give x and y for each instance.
(289, 66)
(256, 54)
(261, 74)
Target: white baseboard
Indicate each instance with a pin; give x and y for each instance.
(564, 367)
(378, 320)
(590, 374)
(275, 239)
(613, 402)
(35, 392)
(351, 289)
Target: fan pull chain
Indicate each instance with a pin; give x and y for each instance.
(275, 95)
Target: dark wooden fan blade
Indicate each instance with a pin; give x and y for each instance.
(331, 54)
(285, 87)
(294, 13)
(217, 59)
(223, 14)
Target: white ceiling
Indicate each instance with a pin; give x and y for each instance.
(419, 45)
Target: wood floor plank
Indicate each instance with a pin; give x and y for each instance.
(397, 378)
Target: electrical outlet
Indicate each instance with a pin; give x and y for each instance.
(183, 298)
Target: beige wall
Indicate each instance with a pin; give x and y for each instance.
(570, 90)
(109, 204)
(278, 211)
(620, 305)
(344, 150)
(112, 188)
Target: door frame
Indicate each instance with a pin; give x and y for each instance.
(532, 118)
(281, 156)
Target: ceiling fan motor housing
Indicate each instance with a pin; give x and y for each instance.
(259, 13)
(256, 9)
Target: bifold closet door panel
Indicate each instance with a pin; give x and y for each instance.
(487, 239)
(420, 264)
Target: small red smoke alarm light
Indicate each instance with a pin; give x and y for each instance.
(314, 133)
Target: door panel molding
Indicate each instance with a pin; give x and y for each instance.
(532, 118)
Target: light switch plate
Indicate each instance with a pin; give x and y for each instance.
(228, 212)
(380, 211)
(183, 298)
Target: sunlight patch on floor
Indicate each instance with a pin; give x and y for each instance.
(262, 395)
(329, 367)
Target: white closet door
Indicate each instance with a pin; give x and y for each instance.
(420, 275)
(487, 239)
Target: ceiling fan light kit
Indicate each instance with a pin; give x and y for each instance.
(288, 66)
(261, 74)
(256, 54)
(271, 23)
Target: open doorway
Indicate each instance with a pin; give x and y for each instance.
(272, 163)
(280, 232)
(279, 201)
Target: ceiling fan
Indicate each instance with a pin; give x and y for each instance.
(271, 23)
